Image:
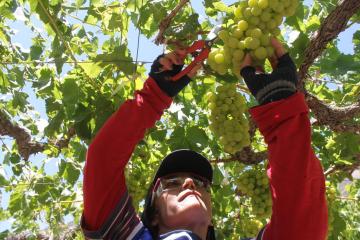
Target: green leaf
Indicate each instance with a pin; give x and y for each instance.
(339, 224)
(19, 100)
(44, 75)
(91, 69)
(17, 200)
(222, 7)
(55, 123)
(3, 181)
(58, 49)
(356, 41)
(71, 173)
(83, 128)
(33, 5)
(4, 82)
(197, 137)
(70, 91)
(158, 135)
(177, 139)
(120, 57)
(14, 158)
(103, 110)
(81, 113)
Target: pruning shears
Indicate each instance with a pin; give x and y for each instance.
(200, 49)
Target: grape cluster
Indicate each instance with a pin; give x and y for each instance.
(250, 227)
(255, 184)
(228, 122)
(254, 24)
(331, 201)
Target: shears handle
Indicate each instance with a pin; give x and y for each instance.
(203, 54)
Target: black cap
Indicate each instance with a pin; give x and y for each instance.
(179, 161)
(185, 160)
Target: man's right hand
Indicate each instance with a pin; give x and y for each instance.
(279, 84)
(168, 65)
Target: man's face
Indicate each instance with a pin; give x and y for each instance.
(183, 202)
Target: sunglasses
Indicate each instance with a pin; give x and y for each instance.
(176, 183)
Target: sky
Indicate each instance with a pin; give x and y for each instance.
(23, 38)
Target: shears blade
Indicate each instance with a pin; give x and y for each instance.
(213, 34)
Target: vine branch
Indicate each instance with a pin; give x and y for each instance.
(334, 117)
(344, 168)
(333, 24)
(26, 147)
(164, 24)
(246, 156)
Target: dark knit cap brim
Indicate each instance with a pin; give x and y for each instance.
(185, 161)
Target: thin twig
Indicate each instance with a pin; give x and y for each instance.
(54, 26)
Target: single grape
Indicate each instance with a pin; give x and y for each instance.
(263, 4)
(248, 32)
(256, 11)
(243, 25)
(247, 13)
(254, 20)
(224, 35)
(271, 24)
(241, 45)
(279, 8)
(261, 53)
(219, 58)
(265, 40)
(238, 12)
(238, 33)
(270, 51)
(233, 42)
(256, 33)
(238, 55)
(252, 43)
(265, 16)
(252, 3)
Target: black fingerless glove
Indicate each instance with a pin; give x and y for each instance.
(163, 78)
(280, 84)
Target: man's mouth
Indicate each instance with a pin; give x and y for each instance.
(187, 193)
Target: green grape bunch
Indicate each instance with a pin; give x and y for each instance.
(246, 227)
(255, 22)
(255, 184)
(228, 122)
(331, 200)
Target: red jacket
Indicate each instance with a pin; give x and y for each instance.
(296, 176)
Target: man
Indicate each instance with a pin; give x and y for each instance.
(178, 203)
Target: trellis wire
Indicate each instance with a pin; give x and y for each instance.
(70, 62)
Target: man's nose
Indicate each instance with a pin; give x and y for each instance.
(189, 183)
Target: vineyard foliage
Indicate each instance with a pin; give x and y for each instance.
(80, 68)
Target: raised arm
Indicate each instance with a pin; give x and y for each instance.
(296, 177)
(105, 194)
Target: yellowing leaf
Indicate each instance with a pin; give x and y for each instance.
(91, 69)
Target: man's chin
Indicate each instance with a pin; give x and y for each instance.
(194, 207)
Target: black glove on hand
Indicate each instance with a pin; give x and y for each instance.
(163, 78)
(280, 84)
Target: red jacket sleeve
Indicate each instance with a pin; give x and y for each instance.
(296, 177)
(104, 181)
